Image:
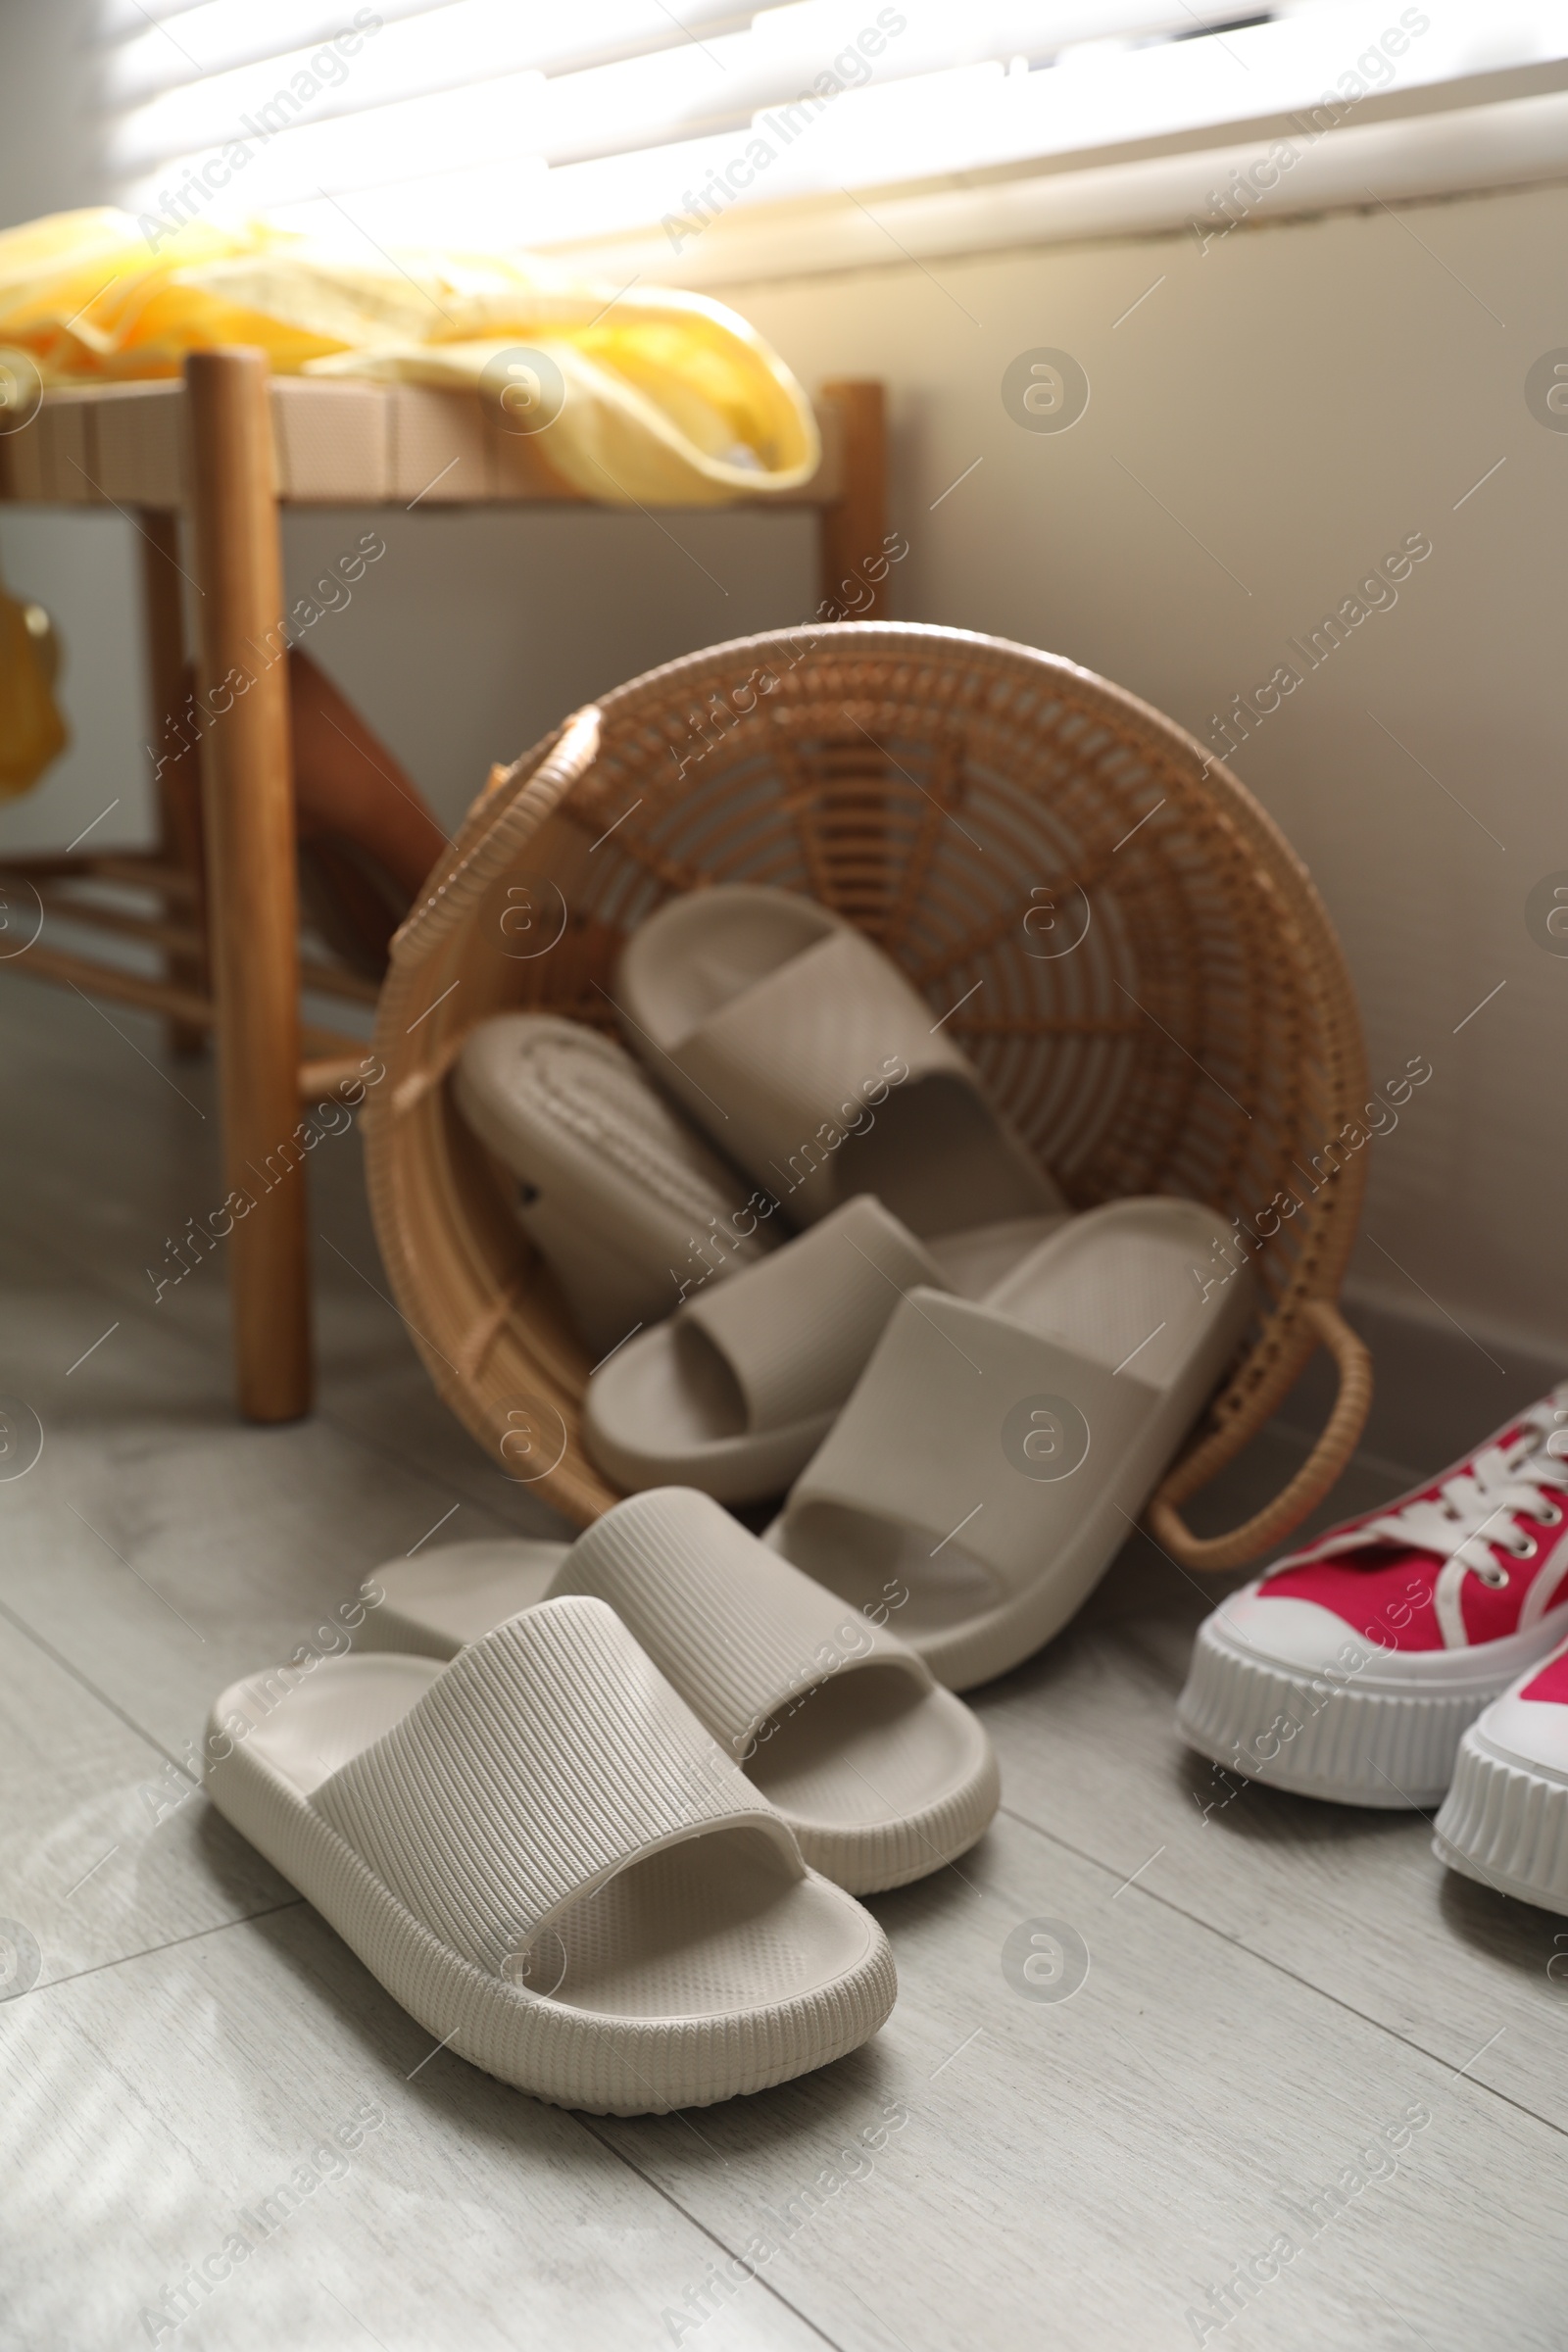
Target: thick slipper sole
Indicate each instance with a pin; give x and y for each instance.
(621, 1198)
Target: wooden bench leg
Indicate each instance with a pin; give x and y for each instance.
(252, 887)
(177, 779)
(853, 526)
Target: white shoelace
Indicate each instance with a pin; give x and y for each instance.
(1502, 1482)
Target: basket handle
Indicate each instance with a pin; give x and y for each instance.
(1211, 1554)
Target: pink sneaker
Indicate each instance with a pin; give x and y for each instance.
(1506, 1818)
(1352, 1670)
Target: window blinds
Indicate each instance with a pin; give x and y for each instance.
(503, 122)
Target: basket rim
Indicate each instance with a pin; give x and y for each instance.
(622, 702)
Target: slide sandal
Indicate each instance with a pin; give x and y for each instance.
(882, 1775)
(619, 1195)
(805, 1054)
(736, 1391)
(994, 1455)
(541, 1853)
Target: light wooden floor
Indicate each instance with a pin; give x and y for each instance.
(1267, 1988)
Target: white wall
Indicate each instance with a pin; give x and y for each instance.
(1297, 399)
(1291, 404)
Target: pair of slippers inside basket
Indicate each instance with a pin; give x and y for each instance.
(610, 1850)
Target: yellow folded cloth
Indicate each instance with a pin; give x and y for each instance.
(671, 399)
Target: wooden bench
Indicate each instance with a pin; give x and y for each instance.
(200, 466)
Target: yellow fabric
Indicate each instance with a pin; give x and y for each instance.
(671, 399)
(31, 729)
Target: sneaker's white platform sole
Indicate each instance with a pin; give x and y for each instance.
(1355, 1735)
(1506, 1824)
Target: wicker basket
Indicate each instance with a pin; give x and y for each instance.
(1107, 921)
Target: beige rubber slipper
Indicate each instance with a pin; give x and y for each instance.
(735, 1391)
(882, 1775)
(808, 1060)
(542, 1856)
(993, 1456)
(618, 1193)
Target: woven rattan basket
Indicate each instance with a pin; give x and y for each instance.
(1109, 923)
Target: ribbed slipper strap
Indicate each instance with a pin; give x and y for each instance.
(738, 1631)
(796, 1330)
(966, 1428)
(802, 1055)
(544, 1759)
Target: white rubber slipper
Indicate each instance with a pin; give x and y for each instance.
(882, 1775)
(809, 1059)
(619, 1196)
(738, 1389)
(542, 1854)
(993, 1456)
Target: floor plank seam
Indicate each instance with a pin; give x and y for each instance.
(78, 1675)
(322, 1411)
(401, 1461)
(214, 1359)
(1292, 1976)
(107, 1287)
(150, 1951)
(210, 1352)
(702, 2227)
